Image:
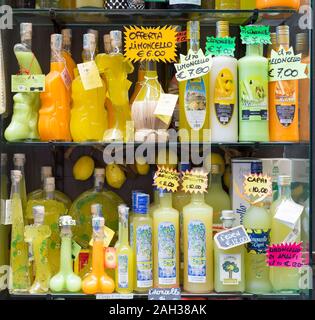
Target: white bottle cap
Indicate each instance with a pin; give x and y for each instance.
(16, 175)
(123, 212)
(284, 180)
(26, 30)
(46, 172)
(56, 41)
(19, 159)
(39, 214)
(98, 223)
(66, 221)
(89, 42)
(227, 215)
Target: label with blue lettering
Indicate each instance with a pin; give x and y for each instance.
(260, 240)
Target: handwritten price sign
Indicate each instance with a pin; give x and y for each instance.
(166, 179)
(150, 44)
(285, 255)
(258, 185)
(220, 46)
(285, 65)
(195, 181)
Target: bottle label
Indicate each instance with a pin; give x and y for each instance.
(196, 103)
(194, 2)
(230, 269)
(224, 96)
(197, 266)
(167, 254)
(123, 281)
(260, 240)
(144, 256)
(254, 99)
(285, 101)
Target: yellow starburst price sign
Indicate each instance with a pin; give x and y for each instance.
(150, 43)
(166, 179)
(258, 186)
(195, 181)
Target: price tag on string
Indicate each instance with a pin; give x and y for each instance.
(254, 34)
(285, 65)
(166, 179)
(90, 75)
(150, 43)
(232, 238)
(289, 213)
(108, 237)
(194, 65)
(195, 181)
(220, 46)
(258, 186)
(165, 107)
(285, 255)
(28, 83)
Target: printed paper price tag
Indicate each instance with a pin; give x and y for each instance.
(285, 255)
(90, 75)
(220, 46)
(76, 249)
(195, 181)
(108, 237)
(194, 65)
(165, 107)
(28, 83)
(165, 294)
(258, 186)
(166, 179)
(150, 44)
(232, 238)
(255, 34)
(181, 37)
(285, 65)
(66, 78)
(289, 213)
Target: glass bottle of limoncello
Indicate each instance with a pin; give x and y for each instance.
(198, 246)
(37, 235)
(46, 172)
(20, 280)
(142, 244)
(53, 210)
(19, 160)
(124, 271)
(194, 111)
(284, 279)
(229, 275)
(166, 243)
(257, 222)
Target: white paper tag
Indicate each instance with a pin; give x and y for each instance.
(6, 212)
(289, 213)
(114, 296)
(65, 76)
(293, 235)
(231, 238)
(90, 76)
(166, 106)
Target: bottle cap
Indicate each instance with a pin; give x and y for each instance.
(95, 32)
(56, 42)
(215, 169)
(193, 29)
(134, 197)
(256, 167)
(99, 172)
(89, 42)
(16, 175)
(46, 172)
(283, 35)
(273, 39)
(123, 212)
(227, 215)
(66, 37)
(116, 39)
(19, 159)
(39, 214)
(141, 203)
(223, 29)
(4, 159)
(97, 210)
(98, 223)
(66, 221)
(284, 180)
(26, 31)
(302, 42)
(107, 43)
(49, 184)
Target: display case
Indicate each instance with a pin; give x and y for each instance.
(294, 159)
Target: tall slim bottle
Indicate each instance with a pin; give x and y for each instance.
(302, 47)
(20, 280)
(224, 94)
(194, 111)
(198, 246)
(24, 121)
(257, 222)
(284, 105)
(143, 244)
(54, 115)
(284, 279)
(166, 243)
(253, 95)
(19, 160)
(124, 272)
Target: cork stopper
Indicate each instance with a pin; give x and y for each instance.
(215, 169)
(283, 36)
(46, 172)
(107, 43)
(301, 42)
(56, 42)
(89, 42)
(19, 159)
(66, 37)
(99, 172)
(193, 30)
(97, 210)
(39, 214)
(116, 39)
(49, 184)
(223, 29)
(26, 31)
(227, 218)
(95, 32)
(284, 180)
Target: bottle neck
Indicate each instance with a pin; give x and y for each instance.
(56, 55)
(98, 184)
(194, 44)
(27, 42)
(49, 194)
(254, 50)
(19, 168)
(166, 200)
(15, 188)
(285, 192)
(215, 182)
(151, 69)
(198, 198)
(66, 248)
(156, 197)
(123, 233)
(88, 55)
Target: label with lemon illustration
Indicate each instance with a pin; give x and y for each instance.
(254, 99)
(260, 241)
(224, 96)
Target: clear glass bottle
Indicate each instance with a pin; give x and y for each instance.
(284, 279)
(19, 160)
